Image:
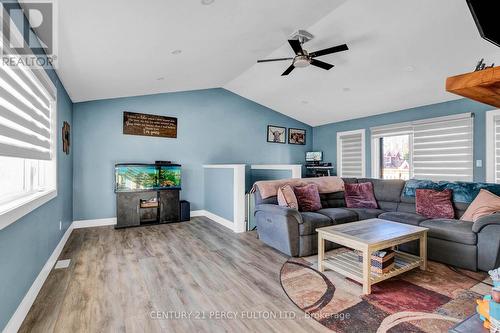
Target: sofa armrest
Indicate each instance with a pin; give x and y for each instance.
(484, 221)
(278, 210)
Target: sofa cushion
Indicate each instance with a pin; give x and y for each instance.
(286, 197)
(434, 204)
(403, 217)
(339, 215)
(386, 189)
(366, 213)
(451, 230)
(332, 200)
(308, 197)
(486, 203)
(360, 195)
(311, 221)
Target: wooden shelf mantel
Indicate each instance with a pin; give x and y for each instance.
(482, 86)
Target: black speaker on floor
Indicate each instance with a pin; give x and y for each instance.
(185, 210)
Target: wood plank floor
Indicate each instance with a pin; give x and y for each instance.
(143, 279)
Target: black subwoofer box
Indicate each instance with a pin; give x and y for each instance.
(185, 210)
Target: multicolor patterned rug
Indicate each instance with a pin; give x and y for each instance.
(416, 301)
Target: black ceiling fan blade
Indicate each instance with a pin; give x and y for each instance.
(296, 46)
(277, 59)
(321, 64)
(288, 70)
(338, 48)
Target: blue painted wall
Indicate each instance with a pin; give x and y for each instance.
(219, 192)
(325, 137)
(26, 244)
(214, 126)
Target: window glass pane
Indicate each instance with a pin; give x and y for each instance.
(11, 177)
(395, 157)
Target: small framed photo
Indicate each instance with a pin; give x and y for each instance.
(276, 134)
(296, 136)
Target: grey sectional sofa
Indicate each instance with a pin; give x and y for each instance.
(459, 243)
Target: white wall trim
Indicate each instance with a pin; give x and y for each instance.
(216, 218)
(239, 199)
(223, 166)
(94, 223)
(490, 145)
(18, 317)
(296, 169)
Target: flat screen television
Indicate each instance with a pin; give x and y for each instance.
(314, 156)
(485, 14)
(141, 177)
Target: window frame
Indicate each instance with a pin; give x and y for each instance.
(490, 162)
(363, 150)
(15, 209)
(376, 151)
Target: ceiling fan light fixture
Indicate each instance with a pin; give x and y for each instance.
(301, 61)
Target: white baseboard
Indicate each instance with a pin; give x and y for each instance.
(94, 223)
(22, 310)
(195, 213)
(219, 219)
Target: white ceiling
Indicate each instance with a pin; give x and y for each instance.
(118, 48)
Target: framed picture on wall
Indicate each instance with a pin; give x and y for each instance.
(276, 134)
(296, 136)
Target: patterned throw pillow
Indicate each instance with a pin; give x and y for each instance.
(286, 197)
(486, 203)
(434, 204)
(360, 195)
(308, 197)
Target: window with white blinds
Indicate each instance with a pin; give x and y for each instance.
(28, 163)
(497, 150)
(351, 154)
(25, 115)
(493, 146)
(441, 148)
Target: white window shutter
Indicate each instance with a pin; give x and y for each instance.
(443, 148)
(350, 154)
(497, 149)
(25, 115)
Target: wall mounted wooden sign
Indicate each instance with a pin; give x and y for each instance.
(149, 125)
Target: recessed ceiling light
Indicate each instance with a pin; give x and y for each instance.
(175, 52)
(161, 78)
(207, 2)
(346, 89)
(409, 68)
(305, 102)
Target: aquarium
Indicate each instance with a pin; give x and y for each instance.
(141, 177)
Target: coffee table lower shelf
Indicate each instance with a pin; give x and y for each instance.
(347, 264)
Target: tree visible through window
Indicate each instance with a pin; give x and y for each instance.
(395, 157)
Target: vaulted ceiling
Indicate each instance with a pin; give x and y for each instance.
(400, 51)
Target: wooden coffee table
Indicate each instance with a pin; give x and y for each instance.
(368, 236)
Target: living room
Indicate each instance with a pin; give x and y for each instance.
(216, 165)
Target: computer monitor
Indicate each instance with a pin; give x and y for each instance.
(314, 156)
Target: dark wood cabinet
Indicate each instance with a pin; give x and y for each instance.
(134, 209)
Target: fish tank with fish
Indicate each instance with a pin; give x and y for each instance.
(144, 177)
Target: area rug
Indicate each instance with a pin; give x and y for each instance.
(416, 301)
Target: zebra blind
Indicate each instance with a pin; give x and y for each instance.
(25, 114)
(443, 148)
(391, 130)
(351, 151)
(497, 149)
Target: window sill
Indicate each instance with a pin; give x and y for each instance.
(14, 210)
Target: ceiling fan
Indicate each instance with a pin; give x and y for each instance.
(302, 57)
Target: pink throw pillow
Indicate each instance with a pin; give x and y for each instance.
(486, 203)
(434, 204)
(360, 195)
(286, 197)
(308, 197)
